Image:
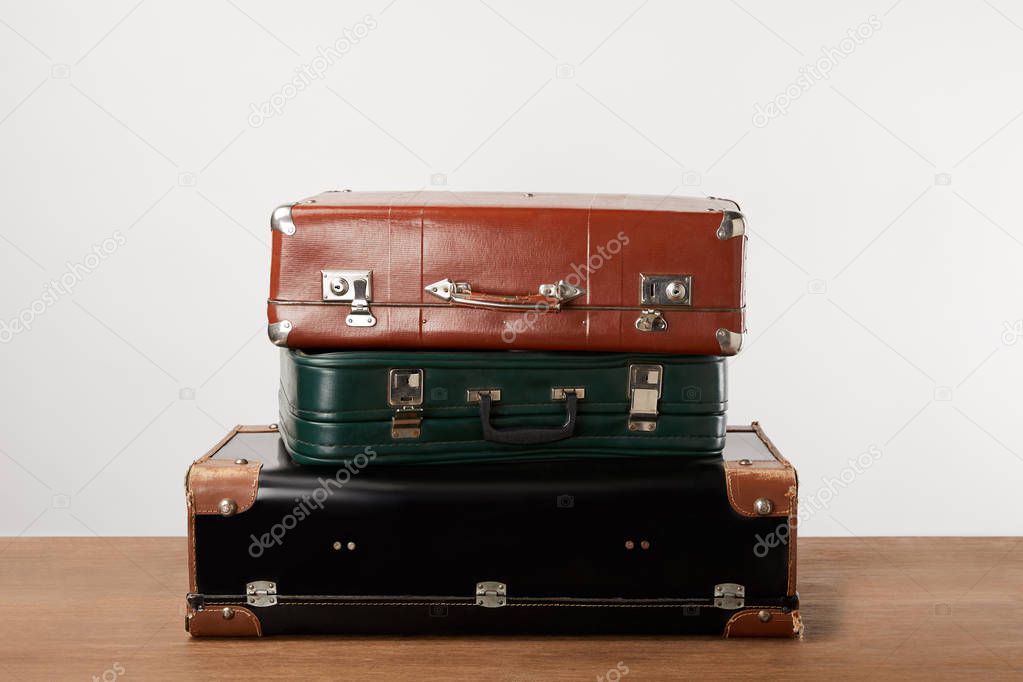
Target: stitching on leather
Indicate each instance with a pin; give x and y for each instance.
(748, 613)
(211, 621)
(193, 578)
(359, 448)
(793, 495)
(473, 605)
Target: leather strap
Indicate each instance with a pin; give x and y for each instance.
(528, 435)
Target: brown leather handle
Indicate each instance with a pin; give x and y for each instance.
(550, 297)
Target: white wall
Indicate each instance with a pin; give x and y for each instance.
(884, 271)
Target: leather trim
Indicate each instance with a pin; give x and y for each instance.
(211, 623)
(246, 429)
(747, 623)
(213, 480)
(774, 479)
(208, 481)
(777, 480)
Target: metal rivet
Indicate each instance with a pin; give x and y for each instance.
(745, 462)
(351, 546)
(272, 427)
(527, 195)
(227, 506)
(629, 544)
(645, 544)
(241, 461)
(337, 544)
(227, 613)
(764, 616)
(762, 505)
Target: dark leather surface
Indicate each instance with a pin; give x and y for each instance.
(508, 244)
(333, 405)
(547, 529)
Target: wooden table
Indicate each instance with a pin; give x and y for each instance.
(106, 608)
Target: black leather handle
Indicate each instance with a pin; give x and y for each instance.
(528, 435)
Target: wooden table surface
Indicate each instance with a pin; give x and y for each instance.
(107, 608)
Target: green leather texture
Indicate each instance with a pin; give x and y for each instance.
(334, 405)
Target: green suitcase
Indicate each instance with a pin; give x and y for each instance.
(435, 407)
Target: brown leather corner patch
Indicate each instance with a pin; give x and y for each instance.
(221, 486)
(764, 623)
(228, 621)
(764, 480)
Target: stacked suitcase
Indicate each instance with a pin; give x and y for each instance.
(497, 401)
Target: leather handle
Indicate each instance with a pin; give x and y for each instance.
(528, 435)
(550, 297)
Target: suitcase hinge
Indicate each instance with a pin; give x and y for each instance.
(355, 286)
(645, 383)
(729, 596)
(405, 392)
(491, 595)
(261, 593)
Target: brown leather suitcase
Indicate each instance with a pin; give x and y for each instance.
(508, 271)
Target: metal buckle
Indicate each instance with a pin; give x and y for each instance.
(355, 286)
(405, 392)
(645, 384)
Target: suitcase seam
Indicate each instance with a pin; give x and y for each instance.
(383, 410)
(360, 448)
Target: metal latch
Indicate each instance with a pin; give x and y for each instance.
(729, 596)
(491, 595)
(405, 392)
(261, 593)
(651, 320)
(355, 286)
(645, 382)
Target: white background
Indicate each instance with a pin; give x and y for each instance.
(885, 306)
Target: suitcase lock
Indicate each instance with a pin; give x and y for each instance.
(645, 383)
(355, 286)
(405, 392)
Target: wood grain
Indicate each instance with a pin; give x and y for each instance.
(873, 607)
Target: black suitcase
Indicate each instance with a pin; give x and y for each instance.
(629, 545)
